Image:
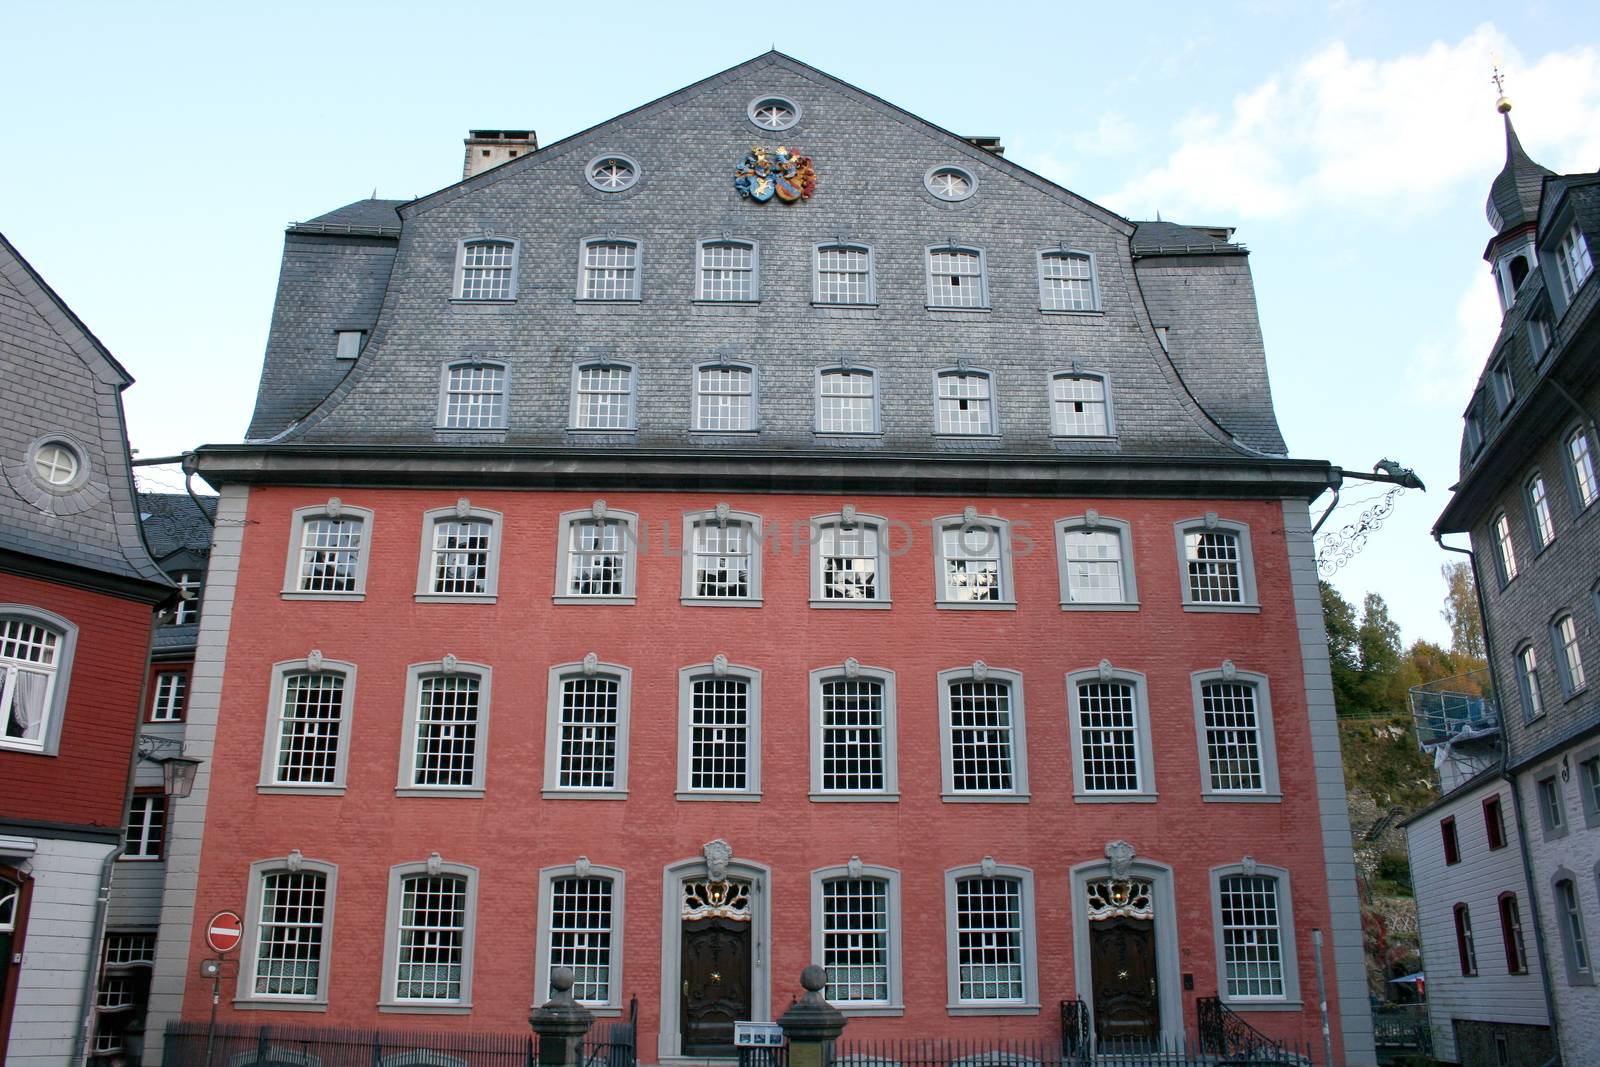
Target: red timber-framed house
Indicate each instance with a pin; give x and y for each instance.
(890, 561)
(78, 592)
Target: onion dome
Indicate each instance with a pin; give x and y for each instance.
(1514, 196)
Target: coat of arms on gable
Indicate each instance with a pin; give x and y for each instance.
(780, 172)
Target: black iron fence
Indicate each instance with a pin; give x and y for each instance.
(1046, 1052)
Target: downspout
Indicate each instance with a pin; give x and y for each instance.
(1516, 798)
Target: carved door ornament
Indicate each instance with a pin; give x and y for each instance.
(708, 898)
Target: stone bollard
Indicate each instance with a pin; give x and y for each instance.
(561, 1023)
(811, 1024)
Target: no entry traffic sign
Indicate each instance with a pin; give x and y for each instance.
(224, 932)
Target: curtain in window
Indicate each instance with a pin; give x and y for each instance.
(28, 704)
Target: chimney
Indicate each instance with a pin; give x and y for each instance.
(988, 144)
(487, 149)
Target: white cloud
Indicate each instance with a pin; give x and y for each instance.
(1114, 135)
(1443, 369)
(1382, 136)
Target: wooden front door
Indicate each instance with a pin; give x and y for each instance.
(1122, 955)
(716, 984)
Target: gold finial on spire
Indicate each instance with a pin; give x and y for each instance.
(1503, 104)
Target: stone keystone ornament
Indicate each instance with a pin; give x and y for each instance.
(780, 172)
(717, 854)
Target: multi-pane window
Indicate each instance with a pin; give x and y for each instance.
(965, 404)
(1573, 262)
(597, 558)
(290, 929)
(847, 402)
(1078, 403)
(1066, 281)
(1214, 564)
(989, 939)
(1570, 916)
(1233, 737)
(722, 561)
(982, 749)
(1093, 563)
(604, 398)
(461, 554)
(1108, 737)
(1552, 809)
(56, 464)
(187, 612)
(844, 275)
(1511, 934)
(1544, 528)
(955, 278)
(855, 939)
(724, 399)
(310, 719)
(1252, 937)
(610, 270)
(486, 270)
(1582, 460)
(128, 950)
(1565, 633)
(580, 935)
(147, 824)
(849, 557)
(719, 734)
(429, 957)
(1466, 948)
(1528, 683)
(727, 270)
(973, 563)
(475, 397)
(1505, 550)
(172, 690)
(854, 735)
(588, 733)
(330, 555)
(29, 654)
(445, 753)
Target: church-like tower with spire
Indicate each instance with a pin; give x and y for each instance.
(1529, 499)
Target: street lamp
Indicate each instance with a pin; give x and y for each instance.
(177, 770)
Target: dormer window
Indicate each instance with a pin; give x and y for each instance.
(1500, 378)
(1573, 262)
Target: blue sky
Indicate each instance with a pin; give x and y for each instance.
(153, 153)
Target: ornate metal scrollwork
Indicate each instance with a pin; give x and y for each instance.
(707, 898)
(1342, 545)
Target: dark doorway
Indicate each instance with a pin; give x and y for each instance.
(716, 984)
(1122, 960)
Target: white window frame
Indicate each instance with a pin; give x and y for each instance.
(592, 168)
(559, 675)
(169, 701)
(462, 511)
(1105, 401)
(966, 173)
(752, 273)
(1528, 687)
(1505, 549)
(1574, 262)
(147, 843)
(1568, 654)
(442, 418)
(390, 1001)
(716, 671)
(281, 672)
(406, 784)
(855, 870)
(1018, 793)
(348, 343)
(817, 297)
(191, 586)
(1210, 523)
(1580, 467)
(634, 293)
(1093, 522)
(245, 995)
(574, 423)
(993, 428)
(755, 532)
(1266, 738)
(458, 290)
(1065, 253)
(337, 511)
(1000, 531)
(1541, 517)
(700, 393)
(875, 422)
(1290, 999)
(1029, 1003)
(850, 671)
(982, 299)
(568, 524)
(612, 1006)
(1576, 953)
(48, 742)
(819, 529)
(1501, 383)
(1143, 744)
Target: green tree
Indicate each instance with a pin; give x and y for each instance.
(1378, 643)
(1461, 610)
(1339, 617)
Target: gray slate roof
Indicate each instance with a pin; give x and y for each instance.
(174, 523)
(1170, 238)
(1514, 194)
(361, 216)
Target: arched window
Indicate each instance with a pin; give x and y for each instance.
(1539, 517)
(1528, 683)
(35, 664)
(983, 734)
(965, 403)
(1080, 405)
(1569, 657)
(729, 271)
(855, 933)
(853, 717)
(1094, 558)
(288, 931)
(610, 269)
(847, 401)
(1511, 934)
(1218, 566)
(486, 269)
(473, 397)
(1580, 460)
(581, 929)
(602, 396)
(429, 936)
(1238, 749)
(1505, 550)
(1254, 921)
(586, 730)
(460, 556)
(1067, 281)
(724, 398)
(446, 727)
(307, 747)
(328, 557)
(719, 731)
(722, 564)
(957, 279)
(990, 943)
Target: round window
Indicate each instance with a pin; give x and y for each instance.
(612, 174)
(57, 465)
(773, 112)
(950, 183)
